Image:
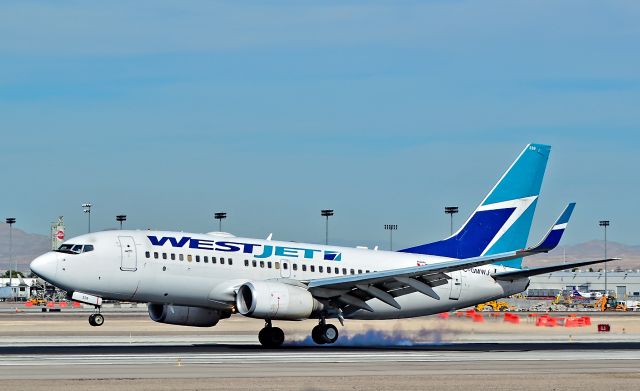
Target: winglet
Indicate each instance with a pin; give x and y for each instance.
(554, 235)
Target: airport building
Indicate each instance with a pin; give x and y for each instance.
(621, 284)
(21, 289)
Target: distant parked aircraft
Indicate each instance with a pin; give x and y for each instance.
(586, 295)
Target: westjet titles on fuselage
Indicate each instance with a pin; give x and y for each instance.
(255, 249)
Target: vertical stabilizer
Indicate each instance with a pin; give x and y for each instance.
(503, 219)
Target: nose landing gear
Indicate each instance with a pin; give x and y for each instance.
(96, 319)
(271, 337)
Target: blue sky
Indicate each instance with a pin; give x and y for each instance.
(168, 111)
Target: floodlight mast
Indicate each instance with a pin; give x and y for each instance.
(451, 210)
(220, 216)
(326, 213)
(11, 221)
(120, 219)
(391, 228)
(604, 224)
(87, 209)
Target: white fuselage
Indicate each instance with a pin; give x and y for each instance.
(205, 270)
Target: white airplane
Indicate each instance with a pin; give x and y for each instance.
(198, 279)
(586, 295)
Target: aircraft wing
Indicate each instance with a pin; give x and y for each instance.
(517, 274)
(354, 290)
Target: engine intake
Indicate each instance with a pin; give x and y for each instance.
(185, 316)
(276, 301)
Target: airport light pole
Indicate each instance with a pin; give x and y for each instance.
(605, 224)
(11, 221)
(326, 213)
(451, 210)
(220, 216)
(120, 219)
(87, 209)
(391, 228)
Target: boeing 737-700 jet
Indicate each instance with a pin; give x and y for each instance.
(198, 279)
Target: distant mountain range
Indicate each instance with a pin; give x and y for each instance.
(593, 249)
(28, 246)
(25, 247)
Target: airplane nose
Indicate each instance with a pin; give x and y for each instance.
(45, 266)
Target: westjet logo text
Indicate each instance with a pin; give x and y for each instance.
(256, 250)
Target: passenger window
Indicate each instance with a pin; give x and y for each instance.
(189, 258)
(262, 264)
(230, 261)
(181, 257)
(246, 262)
(304, 268)
(295, 266)
(197, 258)
(328, 270)
(155, 255)
(344, 270)
(269, 264)
(366, 271)
(147, 254)
(320, 269)
(87, 248)
(206, 259)
(164, 255)
(213, 259)
(352, 271)
(254, 263)
(359, 271)
(337, 270)
(222, 261)
(173, 256)
(312, 268)
(285, 266)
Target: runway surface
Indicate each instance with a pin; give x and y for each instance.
(211, 361)
(130, 352)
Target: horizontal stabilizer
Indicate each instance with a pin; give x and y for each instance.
(518, 274)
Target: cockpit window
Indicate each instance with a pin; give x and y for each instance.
(69, 248)
(65, 247)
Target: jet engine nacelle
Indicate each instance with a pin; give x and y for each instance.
(184, 316)
(275, 301)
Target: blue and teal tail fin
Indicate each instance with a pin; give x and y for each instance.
(502, 221)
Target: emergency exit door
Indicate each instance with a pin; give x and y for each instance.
(456, 285)
(129, 260)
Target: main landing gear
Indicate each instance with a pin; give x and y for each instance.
(271, 337)
(96, 319)
(324, 333)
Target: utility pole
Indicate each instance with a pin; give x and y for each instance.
(391, 228)
(326, 213)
